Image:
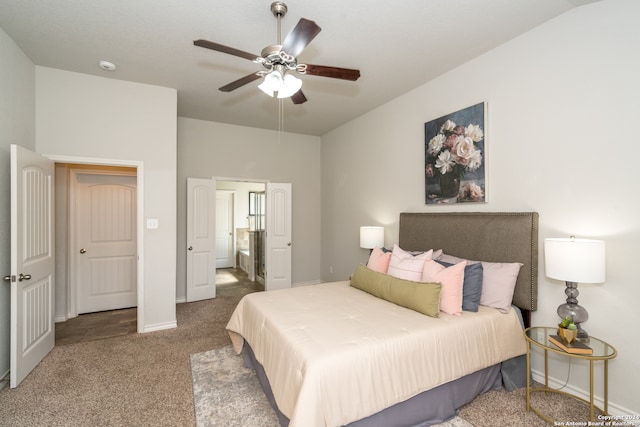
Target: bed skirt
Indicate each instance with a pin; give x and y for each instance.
(427, 408)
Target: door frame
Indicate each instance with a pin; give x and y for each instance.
(139, 166)
(72, 285)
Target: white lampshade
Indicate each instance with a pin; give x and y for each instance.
(275, 84)
(575, 260)
(272, 83)
(291, 85)
(371, 237)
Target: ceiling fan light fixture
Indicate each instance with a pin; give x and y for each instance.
(290, 85)
(275, 85)
(272, 83)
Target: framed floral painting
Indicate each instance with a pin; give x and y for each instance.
(454, 151)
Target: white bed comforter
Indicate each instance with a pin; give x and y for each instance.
(334, 354)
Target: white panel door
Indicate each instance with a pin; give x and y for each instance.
(224, 229)
(201, 239)
(32, 262)
(278, 229)
(105, 247)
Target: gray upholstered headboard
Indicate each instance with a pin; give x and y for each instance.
(486, 236)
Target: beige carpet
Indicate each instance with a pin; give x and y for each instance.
(134, 380)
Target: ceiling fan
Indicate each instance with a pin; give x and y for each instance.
(280, 61)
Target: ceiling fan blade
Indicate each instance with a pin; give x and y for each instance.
(333, 72)
(240, 82)
(298, 97)
(225, 49)
(304, 31)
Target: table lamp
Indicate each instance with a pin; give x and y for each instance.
(371, 237)
(574, 260)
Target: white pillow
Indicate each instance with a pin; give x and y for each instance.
(498, 281)
(404, 265)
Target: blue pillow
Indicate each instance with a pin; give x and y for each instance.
(472, 285)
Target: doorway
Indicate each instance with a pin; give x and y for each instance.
(39, 236)
(201, 239)
(247, 232)
(97, 246)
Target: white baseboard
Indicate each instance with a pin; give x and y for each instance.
(160, 326)
(584, 394)
(181, 300)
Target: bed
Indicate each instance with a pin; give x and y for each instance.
(332, 355)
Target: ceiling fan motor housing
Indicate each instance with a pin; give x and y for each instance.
(274, 55)
(278, 8)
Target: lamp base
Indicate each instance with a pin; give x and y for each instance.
(577, 313)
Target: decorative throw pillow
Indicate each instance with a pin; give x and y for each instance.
(379, 260)
(421, 297)
(472, 285)
(404, 265)
(498, 281)
(451, 279)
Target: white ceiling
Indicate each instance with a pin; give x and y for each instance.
(396, 45)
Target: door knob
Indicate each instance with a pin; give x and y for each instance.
(22, 277)
(82, 251)
(7, 278)
(190, 248)
(289, 244)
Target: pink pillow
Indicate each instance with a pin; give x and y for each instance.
(451, 279)
(379, 260)
(498, 281)
(404, 265)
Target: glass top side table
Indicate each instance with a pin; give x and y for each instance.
(602, 351)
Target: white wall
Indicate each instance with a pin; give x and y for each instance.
(80, 115)
(17, 126)
(561, 140)
(209, 149)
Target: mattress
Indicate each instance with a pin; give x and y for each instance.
(325, 347)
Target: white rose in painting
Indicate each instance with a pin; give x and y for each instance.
(436, 143)
(445, 162)
(474, 132)
(447, 126)
(475, 160)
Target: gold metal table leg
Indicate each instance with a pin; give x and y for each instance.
(591, 411)
(528, 376)
(606, 387)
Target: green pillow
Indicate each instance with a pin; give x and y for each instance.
(421, 297)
